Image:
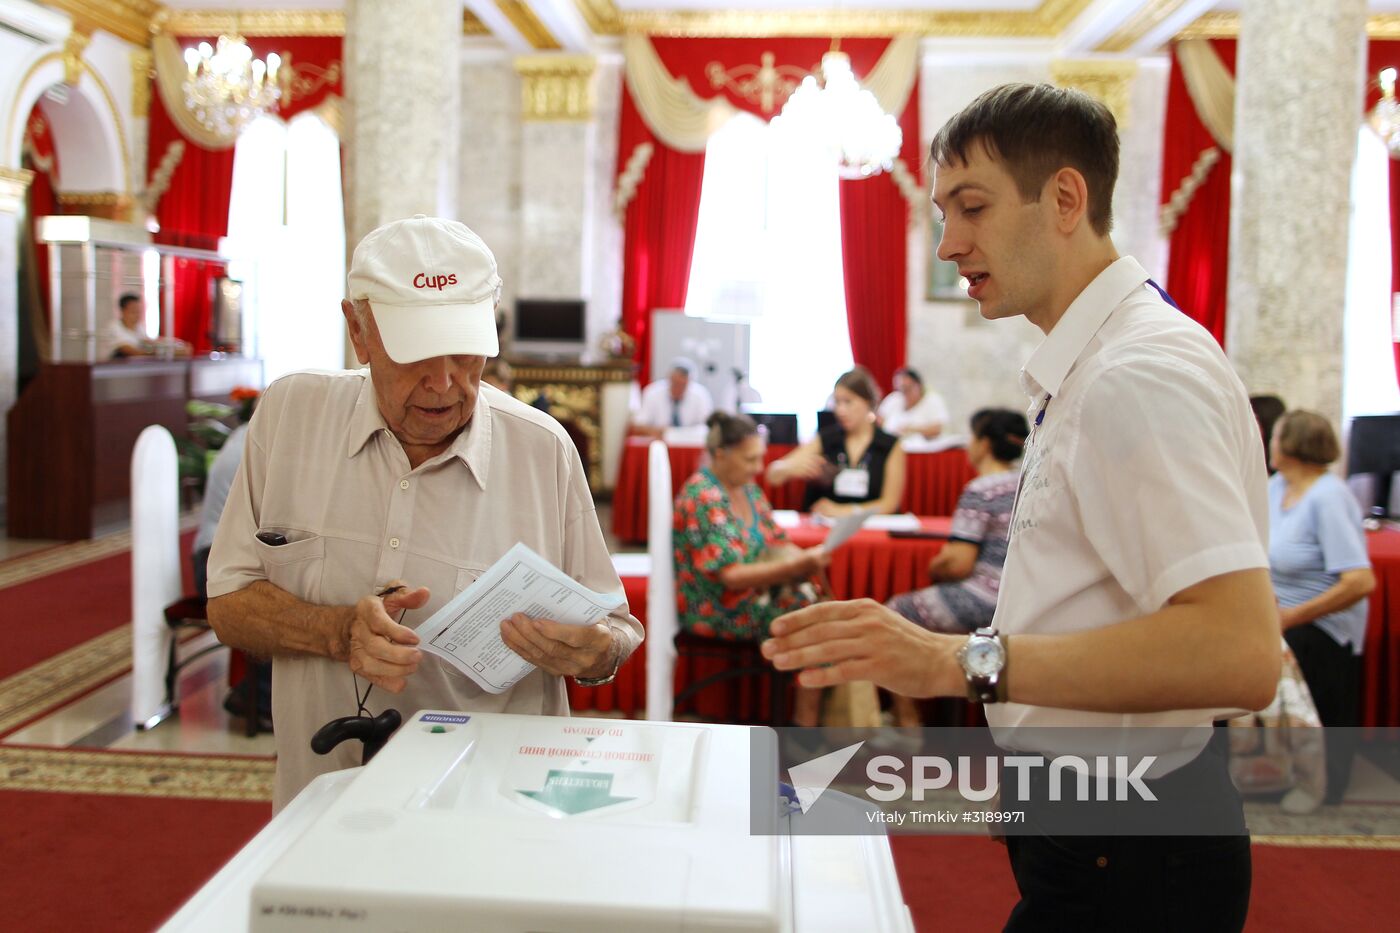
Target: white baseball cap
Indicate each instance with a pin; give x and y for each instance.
(432, 285)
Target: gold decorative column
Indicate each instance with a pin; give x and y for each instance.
(556, 87)
(141, 82)
(1106, 80)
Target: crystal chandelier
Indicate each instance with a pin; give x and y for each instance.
(227, 87)
(1385, 116)
(846, 119)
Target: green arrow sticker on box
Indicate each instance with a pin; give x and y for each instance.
(575, 792)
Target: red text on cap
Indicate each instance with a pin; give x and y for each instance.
(439, 282)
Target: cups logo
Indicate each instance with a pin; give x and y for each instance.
(439, 282)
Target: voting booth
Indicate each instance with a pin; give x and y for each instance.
(530, 824)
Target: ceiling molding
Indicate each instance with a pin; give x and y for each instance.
(1227, 26)
(252, 22)
(1048, 20)
(528, 24)
(602, 16)
(126, 19)
(471, 26)
(1148, 17)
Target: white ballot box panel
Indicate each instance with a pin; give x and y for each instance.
(528, 823)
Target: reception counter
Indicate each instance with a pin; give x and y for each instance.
(72, 431)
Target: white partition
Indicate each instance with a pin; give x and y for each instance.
(661, 587)
(155, 569)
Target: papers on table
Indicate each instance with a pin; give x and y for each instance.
(467, 631)
(923, 445)
(844, 528)
(906, 522)
(787, 518)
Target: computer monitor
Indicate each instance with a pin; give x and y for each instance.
(1373, 447)
(825, 417)
(549, 327)
(781, 427)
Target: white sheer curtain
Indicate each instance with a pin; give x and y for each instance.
(287, 225)
(1368, 360)
(768, 249)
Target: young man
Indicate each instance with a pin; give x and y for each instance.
(1136, 584)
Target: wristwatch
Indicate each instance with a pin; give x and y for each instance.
(983, 661)
(613, 653)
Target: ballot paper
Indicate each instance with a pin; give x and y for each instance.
(467, 631)
(843, 528)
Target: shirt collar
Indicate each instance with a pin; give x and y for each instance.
(1051, 362)
(472, 446)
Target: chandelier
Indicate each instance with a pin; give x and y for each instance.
(1385, 116)
(838, 114)
(227, 87)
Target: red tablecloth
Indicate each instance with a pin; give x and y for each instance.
(870, 564)
(876, 565)
(629, 503)
(1380, 664)
(932, 485)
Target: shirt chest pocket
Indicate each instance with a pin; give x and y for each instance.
(295, 566)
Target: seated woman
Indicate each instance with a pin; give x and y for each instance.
(966, 573)
(850, 464)
(736, 571)
(1322, 574)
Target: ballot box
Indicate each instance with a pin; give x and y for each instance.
(531, 824)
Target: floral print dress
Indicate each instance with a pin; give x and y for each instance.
(707, 537)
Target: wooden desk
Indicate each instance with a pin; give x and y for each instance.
(72, 431)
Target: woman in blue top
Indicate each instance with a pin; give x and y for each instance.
(1322, 575)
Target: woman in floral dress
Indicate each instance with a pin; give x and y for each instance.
(736, 571)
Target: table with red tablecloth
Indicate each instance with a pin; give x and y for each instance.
(876, 565)
(629, 503)
(933, 482)
(1380, 662)
(871, 564)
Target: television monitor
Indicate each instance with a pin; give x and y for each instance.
(549, 327)
(781, 427)
(1373, 447)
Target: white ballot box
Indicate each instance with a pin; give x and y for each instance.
(530, 824)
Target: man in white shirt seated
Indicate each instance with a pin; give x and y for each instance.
(677, 401)
(912, 409)
(124, 334)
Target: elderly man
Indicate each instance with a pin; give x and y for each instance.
(410, 474)
(677, 401)
(911, 409)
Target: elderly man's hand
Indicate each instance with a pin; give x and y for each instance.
(560, 649)
(382, 651)
(838, 642)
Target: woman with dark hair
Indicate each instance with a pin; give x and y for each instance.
(1322, 574)
(850, 464)
(736, 571)
(966, 573)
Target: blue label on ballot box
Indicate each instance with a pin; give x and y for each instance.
(444, 717)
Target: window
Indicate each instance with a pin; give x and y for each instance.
(768, 250)
(287, 225)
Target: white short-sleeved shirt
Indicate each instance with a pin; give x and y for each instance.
(896, 417)
(116, 334)
(1144, 477)
(656, 407)
(320, 467)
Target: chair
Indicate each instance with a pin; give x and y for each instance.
(664, 640)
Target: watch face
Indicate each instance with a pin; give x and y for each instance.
(983, 657)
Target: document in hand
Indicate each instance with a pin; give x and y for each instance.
(844, 528)
(467, 631)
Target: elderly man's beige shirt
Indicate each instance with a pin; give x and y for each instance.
(321, 467)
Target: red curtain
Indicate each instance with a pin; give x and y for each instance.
(659, 238)
(659, 230)
(1387, 55)
(874, 256)
(1198, 269)
(194, 209)
(40, 157)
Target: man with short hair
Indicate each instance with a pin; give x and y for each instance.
(125, 333)
(912, 410)
(677, 401)
(1136, 589)
(410, 476)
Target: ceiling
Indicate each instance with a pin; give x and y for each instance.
(1065, 28)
